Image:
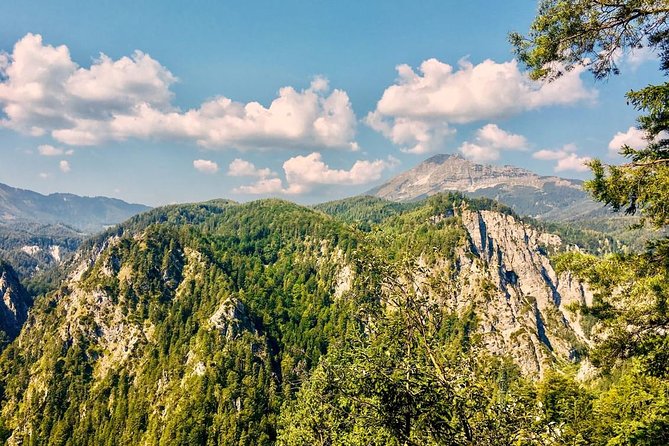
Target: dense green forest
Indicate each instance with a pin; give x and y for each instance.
(221, 323)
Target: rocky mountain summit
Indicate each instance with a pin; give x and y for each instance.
(544, 197)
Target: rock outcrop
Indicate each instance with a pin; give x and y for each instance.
(505, 276)
(15, 302)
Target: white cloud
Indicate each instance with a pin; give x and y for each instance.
(500, 139)
(633, 137)
(64, 166)
(639, 56)
(49, 150)
(418, 111)
(566, 157)
(44, 91)
(489, 141)
(205, 166)
(241, 168)
(573, 162)
(303, 173)
(478, 153)
(262, 187)
(417, 136)
(552, 155)
(43, 175)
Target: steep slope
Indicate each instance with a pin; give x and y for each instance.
(550, 198)
(88, 214)
(526, 310)
(33, 247)
(39, 231)
(194, 324)
(491, 263)
(14, 304)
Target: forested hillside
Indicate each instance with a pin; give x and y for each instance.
(268, 322)
(449, 320)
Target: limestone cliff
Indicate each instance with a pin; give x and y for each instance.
(504, 274)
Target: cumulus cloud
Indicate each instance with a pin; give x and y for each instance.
(418, 111)
(262, 187)
(634, 138)
(489, 141)
(566, 157)
(49, 150)
(64, 166)
(417, 136)
(43, 91)
(303, 173)
(241, 168)
(205, 166)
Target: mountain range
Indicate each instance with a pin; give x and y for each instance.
(38, 231)
(229, 323)
(85, 214)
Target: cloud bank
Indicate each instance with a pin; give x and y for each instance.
(419, 110)
(42, 91)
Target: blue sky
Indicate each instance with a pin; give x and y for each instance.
(156, 102)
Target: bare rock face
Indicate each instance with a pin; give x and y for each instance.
(14, 303)
(231, 318)
(519, 299)
(526, 192)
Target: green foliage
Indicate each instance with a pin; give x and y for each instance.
(364, 210)
(416, 376)
(569, 33)
(591, 32)
(168, 272)
(233, 329)
(628, 316)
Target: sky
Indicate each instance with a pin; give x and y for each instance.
(161, 102)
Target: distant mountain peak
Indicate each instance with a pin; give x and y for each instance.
(528, 193)
(444, 157)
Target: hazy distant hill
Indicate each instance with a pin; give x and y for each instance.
(38, 231)
(543, 197)
(88, 214)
